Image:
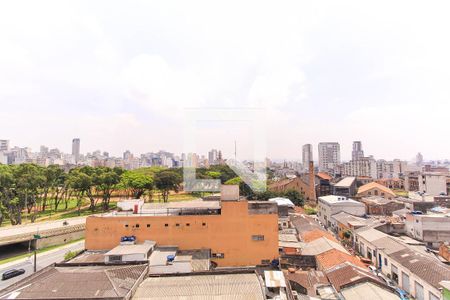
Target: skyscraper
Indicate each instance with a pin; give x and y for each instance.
(307, 156)
(76, 149)
(329, 156)
(213, 157)
(357, 152)
(4, 145)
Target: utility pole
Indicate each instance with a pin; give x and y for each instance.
(36, 238)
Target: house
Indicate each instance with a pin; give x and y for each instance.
(375, 189)
(377, 205)
(331, 205)
(353, 282)
(418, 273)
(342, 222)
(431, 228)
(345, 187)
(392, 183)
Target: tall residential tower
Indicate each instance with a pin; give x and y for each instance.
(76, 149)
(329, 156)
(307, 155)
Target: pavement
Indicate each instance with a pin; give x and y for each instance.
(43, 260)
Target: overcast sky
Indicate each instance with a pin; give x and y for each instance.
(120, 75)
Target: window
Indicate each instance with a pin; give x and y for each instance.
(385, 262)
(137, 225)
(218, 255)
(203, 224)
(166, 225)
(115, 258)
(265, 261)
(178, 225)
(258, 237)
(148, 225)
(188, 224)
(126, 225)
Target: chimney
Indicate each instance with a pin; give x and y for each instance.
(311, 182)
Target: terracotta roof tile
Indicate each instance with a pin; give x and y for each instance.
(372, 185)
(334, 257)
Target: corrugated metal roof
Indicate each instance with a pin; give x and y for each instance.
(274, 279)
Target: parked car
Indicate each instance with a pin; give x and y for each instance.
(402, 294)
(373, 270)
(12, 273)
(388, 281)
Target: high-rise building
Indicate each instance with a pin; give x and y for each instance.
(307, 156)
(213, 157)
(357, 152)
(419, 159)
(329, 156)
(4, 145)
(76, 149)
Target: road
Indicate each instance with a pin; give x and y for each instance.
(33, 228)
(43, 260)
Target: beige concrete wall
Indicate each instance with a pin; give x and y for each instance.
(60, 239)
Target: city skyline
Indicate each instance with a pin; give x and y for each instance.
(315, 151)
(126, 84)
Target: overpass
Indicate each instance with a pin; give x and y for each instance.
(50, 232)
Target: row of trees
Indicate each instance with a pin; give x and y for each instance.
(32, 189)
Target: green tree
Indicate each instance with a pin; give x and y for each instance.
(136, 183)
(167, 181)
(295, 197)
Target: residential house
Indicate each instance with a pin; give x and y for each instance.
(375, 189)
(331, 205)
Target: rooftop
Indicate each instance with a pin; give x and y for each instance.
(333, 199)
(310, 280)
(132, 249)
(346, 182)
(346, 219)
(199, 287)
(186, 261)
(375, 185)
(111, 282)
(345, 274)
(368, 290)
(334, 257)
(321, 245)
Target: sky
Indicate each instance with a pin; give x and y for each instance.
(127, 75)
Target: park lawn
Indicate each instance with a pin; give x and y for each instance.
(86, 211)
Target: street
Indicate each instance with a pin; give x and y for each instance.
(43, 260)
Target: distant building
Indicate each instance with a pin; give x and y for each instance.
(419, 159)
(375, 189)
(76, 149)
(392, 183)
(329, 156)
(365, 166)
(213, 157)
(345, 187)
(434, 184)
(357, 152)
(431, 228)
(377, 205)
(4, 145)
(307, 155)
(331, 205)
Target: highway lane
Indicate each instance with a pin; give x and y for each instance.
(43, 260)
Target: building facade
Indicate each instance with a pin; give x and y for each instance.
(329, 156)
(307, 155)
(331, 205)
(241, 234)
